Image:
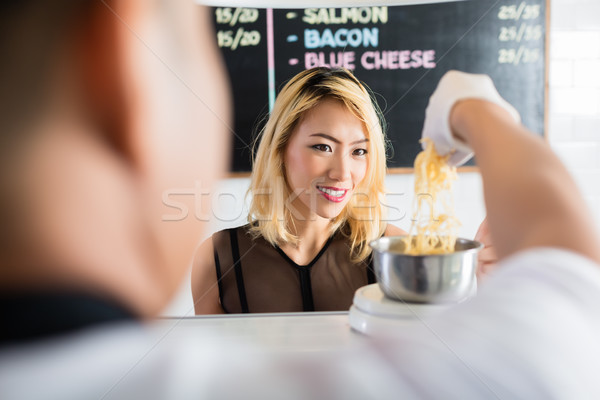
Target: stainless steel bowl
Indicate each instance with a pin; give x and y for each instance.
(437, 278)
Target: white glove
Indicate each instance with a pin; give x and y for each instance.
(455, 86)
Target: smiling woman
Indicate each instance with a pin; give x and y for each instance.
(316, 185)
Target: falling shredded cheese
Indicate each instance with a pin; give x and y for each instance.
(434, 228)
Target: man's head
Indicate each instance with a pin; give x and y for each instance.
(106, 107)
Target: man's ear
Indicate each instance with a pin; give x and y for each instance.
(99, 50)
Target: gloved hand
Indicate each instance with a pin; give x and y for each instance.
(455, 86)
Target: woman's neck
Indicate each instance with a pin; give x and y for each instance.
(312, 235)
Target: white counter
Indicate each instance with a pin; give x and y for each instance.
(314, 331)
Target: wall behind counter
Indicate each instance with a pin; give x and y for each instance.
(574, 109)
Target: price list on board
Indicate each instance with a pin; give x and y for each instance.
(233, 31)
(521, 27)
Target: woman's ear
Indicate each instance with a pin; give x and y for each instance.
(99, 51)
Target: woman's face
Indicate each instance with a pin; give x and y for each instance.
(325, 160)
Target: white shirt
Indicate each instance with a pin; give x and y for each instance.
(532, 332)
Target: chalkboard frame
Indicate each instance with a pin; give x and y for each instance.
(470, 168)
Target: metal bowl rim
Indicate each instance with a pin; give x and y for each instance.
(373, 244)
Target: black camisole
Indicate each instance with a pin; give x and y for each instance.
(254, 276)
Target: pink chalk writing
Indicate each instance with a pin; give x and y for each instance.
(398, 59)
(372, 60)
(344, 59)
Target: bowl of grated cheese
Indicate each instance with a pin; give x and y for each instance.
(446, 277)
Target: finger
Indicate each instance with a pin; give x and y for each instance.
(487, 254)
(483, 232)
(485, 268)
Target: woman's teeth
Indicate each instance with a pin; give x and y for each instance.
(332, 192)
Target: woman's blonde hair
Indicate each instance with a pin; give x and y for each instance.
(362, 218)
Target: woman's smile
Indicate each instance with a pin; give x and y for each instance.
(332, 193)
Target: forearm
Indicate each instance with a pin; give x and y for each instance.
(531, 200)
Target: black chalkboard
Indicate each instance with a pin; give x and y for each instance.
(400, 52)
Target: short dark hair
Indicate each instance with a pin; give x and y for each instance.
(31, 35)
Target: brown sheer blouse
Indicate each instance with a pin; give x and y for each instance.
(256, 277)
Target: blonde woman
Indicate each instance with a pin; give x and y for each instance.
(316, 186)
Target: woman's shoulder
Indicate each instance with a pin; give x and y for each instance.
(390, 230)
(244, 229)
(237, 233)
(393, 230)
(227, 231)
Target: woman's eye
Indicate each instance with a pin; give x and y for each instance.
(322, 147)
(360, 152)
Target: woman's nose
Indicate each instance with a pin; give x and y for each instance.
(340, 168)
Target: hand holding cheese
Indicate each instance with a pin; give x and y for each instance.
(452, 88)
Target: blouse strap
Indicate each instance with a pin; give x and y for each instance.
(237, 266)
(370, 271)
(219, 276)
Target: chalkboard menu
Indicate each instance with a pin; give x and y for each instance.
(400, 52)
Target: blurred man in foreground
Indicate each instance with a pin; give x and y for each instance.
(107, 107)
